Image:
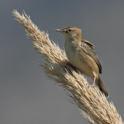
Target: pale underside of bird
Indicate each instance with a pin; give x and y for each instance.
(81, 54)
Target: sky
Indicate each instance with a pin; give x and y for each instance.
(27, 95)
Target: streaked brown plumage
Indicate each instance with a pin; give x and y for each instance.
(81, 54)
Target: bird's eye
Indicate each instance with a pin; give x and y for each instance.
(69, 30)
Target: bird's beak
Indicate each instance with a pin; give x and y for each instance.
(60, 30)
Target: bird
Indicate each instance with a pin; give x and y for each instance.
(81, 54)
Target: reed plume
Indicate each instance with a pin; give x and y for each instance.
(88, 98)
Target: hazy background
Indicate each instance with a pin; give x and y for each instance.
(27, 96)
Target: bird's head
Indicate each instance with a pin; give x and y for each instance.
(71, 33)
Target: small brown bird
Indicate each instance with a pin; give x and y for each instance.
(81, 54)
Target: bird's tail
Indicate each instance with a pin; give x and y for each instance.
(101, 86)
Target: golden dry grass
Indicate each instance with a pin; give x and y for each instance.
(89, 99)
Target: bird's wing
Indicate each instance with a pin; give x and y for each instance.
(91, 45)
(88, 50)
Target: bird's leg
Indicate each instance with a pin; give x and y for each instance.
(94, 81)
(94, 78)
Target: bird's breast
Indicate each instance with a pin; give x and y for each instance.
(71, 50)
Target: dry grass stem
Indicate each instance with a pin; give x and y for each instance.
(88, 98)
